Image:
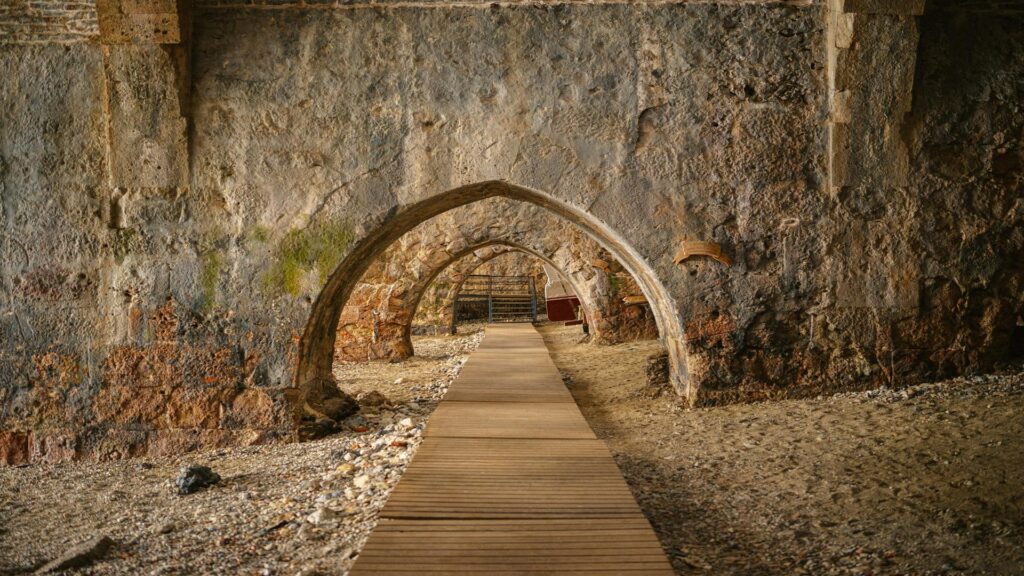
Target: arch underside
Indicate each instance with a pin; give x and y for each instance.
(316, 346)
(457, 275)
(587, 303)
(377, 319)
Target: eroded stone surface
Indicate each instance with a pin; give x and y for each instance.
(231, 182)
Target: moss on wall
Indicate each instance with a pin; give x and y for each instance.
(316, 248)
(615, 284)
(125, 241)
(259, 234)
(209, 275)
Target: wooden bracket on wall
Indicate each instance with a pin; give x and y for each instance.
(691, 248)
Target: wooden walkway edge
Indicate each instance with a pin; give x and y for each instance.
(510, 480)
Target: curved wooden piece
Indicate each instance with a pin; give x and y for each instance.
(691, 248)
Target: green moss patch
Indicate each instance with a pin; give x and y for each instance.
(209, 276)
(318, 247)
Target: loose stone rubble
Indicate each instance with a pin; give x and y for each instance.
(303, 508)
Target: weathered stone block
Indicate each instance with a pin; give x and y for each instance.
(139, 21)
(899, 7)
(53, 446)
(257, 409)
(141, 407)
(151, 366)
(14, 447)
(149, 142)
(117, 444)
(197, 407)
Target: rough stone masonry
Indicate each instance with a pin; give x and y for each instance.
(179, 180)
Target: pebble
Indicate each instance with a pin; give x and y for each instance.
(282, 504)
(194, 477)
(323, 515)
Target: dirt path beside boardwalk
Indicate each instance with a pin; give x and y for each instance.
(928, 480)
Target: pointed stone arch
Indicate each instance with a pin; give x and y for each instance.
(376, 320)
(586, 303)
(316, 345)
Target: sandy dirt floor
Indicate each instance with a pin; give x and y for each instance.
(929, 480)
(291, 509)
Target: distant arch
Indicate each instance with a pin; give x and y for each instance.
(588, 306)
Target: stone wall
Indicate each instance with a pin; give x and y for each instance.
(218, 172)
(47, 21)
(516, 264)
(966, 147)
(622, 320)
(111, 342)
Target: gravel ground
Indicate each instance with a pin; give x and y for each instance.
(924, 480)
(278, 509)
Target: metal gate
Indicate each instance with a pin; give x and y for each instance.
(496, 299)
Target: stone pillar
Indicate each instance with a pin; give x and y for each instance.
(148, 91)
(872, 49)
(874, 273)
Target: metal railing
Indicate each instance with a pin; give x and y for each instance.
(496, 299)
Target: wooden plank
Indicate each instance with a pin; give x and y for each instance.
(510, 479)
(504, 391)
(501, 386)
(503, 449)
(508, 420)
(522, 547)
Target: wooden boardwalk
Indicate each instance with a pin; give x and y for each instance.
(510, 479)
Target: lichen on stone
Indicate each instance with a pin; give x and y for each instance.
(317, 248)
(209, 275)
(124, 242)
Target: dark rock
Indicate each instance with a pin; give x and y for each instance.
(339, 408)
(80, 556)
(373, 398)
(656, 369)
(323, 399)
(195, 477)
(316, 429)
